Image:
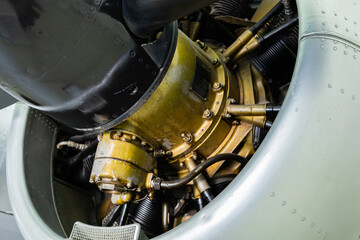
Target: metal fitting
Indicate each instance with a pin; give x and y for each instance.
(208, 114)
(215, 61)
(200, 44)
(217, 86)
(187, 137)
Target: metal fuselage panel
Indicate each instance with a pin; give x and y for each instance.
(303, 181)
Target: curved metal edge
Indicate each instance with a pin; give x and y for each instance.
(172, 30)
(302, 183)
(28, 220)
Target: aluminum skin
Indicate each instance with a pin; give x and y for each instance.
(302, 183)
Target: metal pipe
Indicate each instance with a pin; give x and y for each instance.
(256, 41)
(165, 216)
(248, 34)
(144, 17)
(159, 183)
(247, 110)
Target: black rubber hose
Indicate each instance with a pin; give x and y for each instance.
(123, 214)
(279, 29)
(207, 195)
(144, 17)
(199, 203)
(276, 9)
(161, 184)
(75, 160)
(114, 214)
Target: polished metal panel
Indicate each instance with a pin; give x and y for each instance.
(303, 182)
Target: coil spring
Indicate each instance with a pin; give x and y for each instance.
(235, 8)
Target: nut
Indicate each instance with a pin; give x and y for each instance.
(215, 61)
(217, 86)
(208, 114)
(187, 137)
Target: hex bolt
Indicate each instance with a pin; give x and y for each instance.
(169, 153)
(208, 114)
(217, 86)
(236, 122)
(232, 101)
(215, 61)
(187, 137)
(227, 115)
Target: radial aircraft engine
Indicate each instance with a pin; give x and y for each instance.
(230, 119)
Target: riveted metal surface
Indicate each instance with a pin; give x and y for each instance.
(334, 18)
(21, 193)
(303, 181)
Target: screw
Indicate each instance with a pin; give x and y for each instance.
(129, 185)
(208, 114)
(181, 164)
(221, 50)
(143, 143)
(133, 138)
(217, 86)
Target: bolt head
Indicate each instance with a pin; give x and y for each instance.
(208, 114)
(129, 185)
(217, 86)
(215, 61)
